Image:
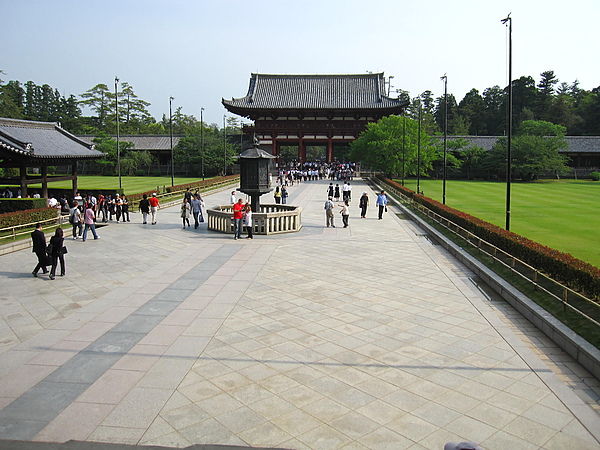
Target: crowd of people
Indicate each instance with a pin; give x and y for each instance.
(316, 170)
(87, 210)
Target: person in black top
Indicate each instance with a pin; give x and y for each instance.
(39, 248)
(56, 252)
(144, 207)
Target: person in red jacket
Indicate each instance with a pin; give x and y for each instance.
(238, 215)
(153, 207)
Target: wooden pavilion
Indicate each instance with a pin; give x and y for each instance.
(306, 110)
(27, 144)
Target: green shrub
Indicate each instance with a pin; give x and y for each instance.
(575, 273)
(21, 204)
(18, 218)
(595, 176)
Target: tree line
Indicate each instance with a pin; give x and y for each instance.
(43, 103)
(485, 114)
(574, 110)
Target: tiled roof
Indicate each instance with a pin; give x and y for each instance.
(42, 140)
(362, 91)
(143, 142)
(576, 144)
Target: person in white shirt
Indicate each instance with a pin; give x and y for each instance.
(345, 213)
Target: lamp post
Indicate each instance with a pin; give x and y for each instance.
(117, 119)
(202, 139)
(171, 133)
(509, 124)
(224, 146)
(404, 147)
(419, 150)
(445, 79)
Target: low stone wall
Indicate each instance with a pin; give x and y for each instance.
(271, 219)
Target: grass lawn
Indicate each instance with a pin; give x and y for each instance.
(131, 185)
(561, 214)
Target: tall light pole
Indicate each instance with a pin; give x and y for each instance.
(224, 146)
(171, 133)
(509, 124)
(117, 119)
(445, 79)
(404, 148)
(202, 139)
(419, 150)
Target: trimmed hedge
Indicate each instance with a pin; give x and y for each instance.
(574, 273)
(21, 204)
(197, 184)
(18, 218)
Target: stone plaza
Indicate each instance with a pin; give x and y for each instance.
(369, 337)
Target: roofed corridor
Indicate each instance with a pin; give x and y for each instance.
(365, 337)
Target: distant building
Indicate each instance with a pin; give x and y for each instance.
(306, 110)
(583, 151)
(28, 144)
(157, 145)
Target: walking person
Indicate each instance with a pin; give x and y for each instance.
(382, 203)
(363, 203)
(118, 207)
(185, 212)
(89, 217)
(336, 193)
(232, 198)
(345, 213)
(284, 195)
(277, 195)
(57, 252)
(248, 220)
(125, 209)
(38, 239)
(196, 206)
(329, 212)
(76, 219)
(144, 207)
(330, 190)
(153, 206)
(238, 215)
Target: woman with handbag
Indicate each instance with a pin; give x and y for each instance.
(56, 250)
(185, 212)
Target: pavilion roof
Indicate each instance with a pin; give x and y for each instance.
(576, 144)
(41, 140)
(314, 92)
(149, 142)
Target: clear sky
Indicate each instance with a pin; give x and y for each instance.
(199, 51)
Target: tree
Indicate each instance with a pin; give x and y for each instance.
(472, 108)
(524, 100)
(380, 146)
(108, 146)
(11, 100)
(495, 111)
(535, 151)
(545, 96)
(472, 159)
(98, 99)
(133, 112)
(216, 152)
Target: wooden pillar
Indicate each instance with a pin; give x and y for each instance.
(74, 174)
(329, 150)
(301, 152)
(23, 180)
(44, 181)
(275, 150)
